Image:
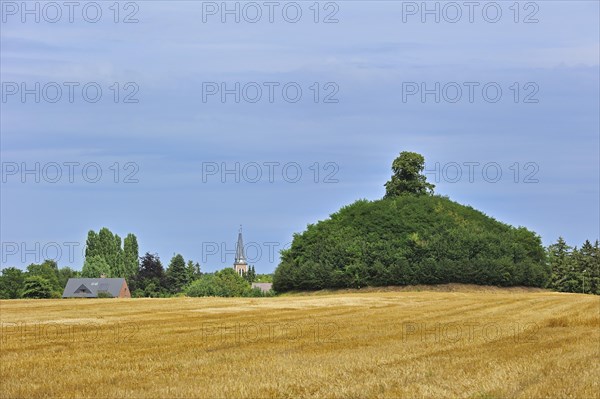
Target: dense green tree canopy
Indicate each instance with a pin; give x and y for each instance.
(151, 275)
(37, 287)
(575, 270)
(96, 266)
(49, 271)
(11, 283)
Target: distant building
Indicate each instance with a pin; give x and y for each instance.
(91, 287)
(240, 265)
(264, 287)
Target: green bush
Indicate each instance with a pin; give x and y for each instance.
(11, 283)
(204, 286)
(255, 293)
(225, 283)
(104, 294)
(37, 287)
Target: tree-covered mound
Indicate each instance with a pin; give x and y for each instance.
(410, 237)
(411, 240)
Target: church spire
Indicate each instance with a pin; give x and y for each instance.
(240, 257)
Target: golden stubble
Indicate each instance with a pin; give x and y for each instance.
(466, 343)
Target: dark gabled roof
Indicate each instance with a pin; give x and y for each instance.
(89, 287)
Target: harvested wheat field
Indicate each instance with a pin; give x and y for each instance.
(461, 343)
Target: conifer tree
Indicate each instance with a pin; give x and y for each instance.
(177, 274)
(559, 257)
(193, 271)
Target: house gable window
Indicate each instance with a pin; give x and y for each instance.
(83, 290)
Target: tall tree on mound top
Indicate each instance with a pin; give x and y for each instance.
(407, 177)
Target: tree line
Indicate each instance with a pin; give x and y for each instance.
(106, 255)
(571, 269)
(181, 278)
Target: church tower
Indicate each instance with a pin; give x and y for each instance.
(240, 265)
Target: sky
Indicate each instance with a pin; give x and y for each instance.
(179, 121)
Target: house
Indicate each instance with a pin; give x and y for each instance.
(264, 287)
(91, 287)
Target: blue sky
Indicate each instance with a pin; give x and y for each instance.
(170, 140)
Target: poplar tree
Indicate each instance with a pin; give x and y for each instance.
(108, 246)
(91, 244)
(130, 256)
(96, 266)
